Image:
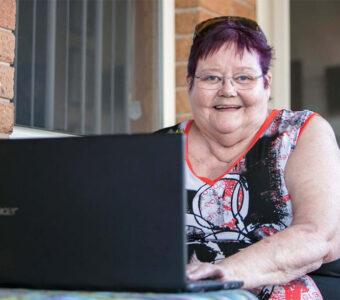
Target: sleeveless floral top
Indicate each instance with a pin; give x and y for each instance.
(249, 202)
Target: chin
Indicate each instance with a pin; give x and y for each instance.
(227, 125)
(226, 129)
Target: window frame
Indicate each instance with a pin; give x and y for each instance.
(274, 19)
(21, 132)
(166, 71)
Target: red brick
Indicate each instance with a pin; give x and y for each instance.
(182, 102)
(7, 14)
(186, 3)
(6, 82)
(181, 76)
(252, 2)
(6, 117)
(187, 20)
(7, 46)
(220, 7)
(182, 118)
(243, 10)
(183, 48)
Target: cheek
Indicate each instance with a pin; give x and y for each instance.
(248, 99)
(255, 97)
(199, 97)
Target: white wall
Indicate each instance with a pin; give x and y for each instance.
(273, 18)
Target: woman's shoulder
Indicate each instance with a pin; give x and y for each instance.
(287, 125)
(290, 121)
(175, 129)
(295, 116)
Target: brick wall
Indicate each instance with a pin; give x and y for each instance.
(7, 47)
(188, 14)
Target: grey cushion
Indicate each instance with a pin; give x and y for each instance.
(328, 286)
(330, 269)
(327, 278)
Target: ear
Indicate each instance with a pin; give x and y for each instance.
(269, 79)
(189, 82)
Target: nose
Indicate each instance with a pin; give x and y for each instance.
(227, 88)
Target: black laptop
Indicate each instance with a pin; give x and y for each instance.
(94, 213)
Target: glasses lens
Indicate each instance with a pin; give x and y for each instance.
(244, 81)
(206, 86)
(211, 82)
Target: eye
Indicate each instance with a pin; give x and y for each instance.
(243, 78)
(211, 78)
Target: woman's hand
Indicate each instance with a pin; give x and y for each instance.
(199, 271)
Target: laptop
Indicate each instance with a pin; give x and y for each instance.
(95, 213)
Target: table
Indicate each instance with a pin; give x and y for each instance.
(26, 294)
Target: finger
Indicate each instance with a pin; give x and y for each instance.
(193, 267)
(205, 271)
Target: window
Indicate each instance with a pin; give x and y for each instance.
(90, 66)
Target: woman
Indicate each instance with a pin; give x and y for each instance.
(263, 201)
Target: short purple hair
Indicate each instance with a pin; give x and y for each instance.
(227, 33)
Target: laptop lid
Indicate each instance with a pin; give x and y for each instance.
(100, 212)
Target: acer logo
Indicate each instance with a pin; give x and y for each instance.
(8, 211)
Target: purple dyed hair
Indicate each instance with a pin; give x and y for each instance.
(227, 33)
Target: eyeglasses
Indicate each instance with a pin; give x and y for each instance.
(205, 25)
(238, 81)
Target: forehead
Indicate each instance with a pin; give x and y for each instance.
(228, 57)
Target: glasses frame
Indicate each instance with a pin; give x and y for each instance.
(236, 86)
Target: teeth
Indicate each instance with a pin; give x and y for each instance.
(222, 106)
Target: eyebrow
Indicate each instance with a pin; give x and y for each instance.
(211, 70)
(240, 69)
(245, 69)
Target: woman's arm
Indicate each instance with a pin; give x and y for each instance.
(312, 177)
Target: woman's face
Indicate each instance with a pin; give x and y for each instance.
(229, 110)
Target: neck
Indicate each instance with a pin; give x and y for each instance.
(225, 148)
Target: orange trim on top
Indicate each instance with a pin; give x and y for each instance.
(305, 124)
(264, 126)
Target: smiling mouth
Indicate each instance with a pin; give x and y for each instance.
(226, 107)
